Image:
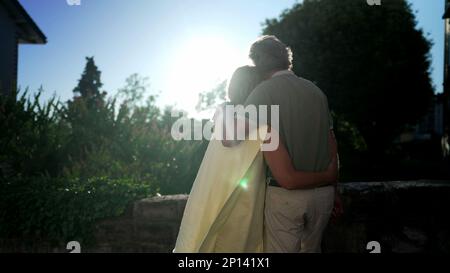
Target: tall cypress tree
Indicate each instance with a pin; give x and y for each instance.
(88, 114)
(90, 83)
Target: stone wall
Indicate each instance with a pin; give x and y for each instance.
(401, 216)
(404, 217)
(150, 225)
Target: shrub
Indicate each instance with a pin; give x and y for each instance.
(59, 209)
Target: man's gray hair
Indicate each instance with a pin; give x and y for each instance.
(268, 53)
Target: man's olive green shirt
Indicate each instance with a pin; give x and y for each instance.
(304, 118)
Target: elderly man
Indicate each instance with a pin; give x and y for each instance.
(294, 219)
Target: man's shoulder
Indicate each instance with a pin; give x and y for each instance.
(267, 85)
(312, 87)
(288, 81)
(270, 88)
(271, 85)
(307, 83)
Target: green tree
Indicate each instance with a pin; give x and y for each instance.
(90, 83)
(32, 138)
(371, 61)
(212, 98)
(90, 119)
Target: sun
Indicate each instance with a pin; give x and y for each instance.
(200, 64)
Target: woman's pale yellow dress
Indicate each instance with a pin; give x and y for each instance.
(224, 212)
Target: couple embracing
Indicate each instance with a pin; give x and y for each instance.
(274, 188)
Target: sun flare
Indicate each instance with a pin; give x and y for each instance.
(200, 65)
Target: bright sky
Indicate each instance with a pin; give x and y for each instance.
(183, 46)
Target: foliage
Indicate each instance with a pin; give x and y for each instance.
(90, 82)
(371, 61)
(64, 165)
(32, 138)
(60, 209)
(212, 98)
(131, 142)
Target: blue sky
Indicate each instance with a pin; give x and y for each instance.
(156, 39)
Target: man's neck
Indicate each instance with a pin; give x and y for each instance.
(271, 73)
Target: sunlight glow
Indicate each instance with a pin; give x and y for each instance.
(201, 64)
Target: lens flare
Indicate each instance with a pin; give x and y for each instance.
(244, 183)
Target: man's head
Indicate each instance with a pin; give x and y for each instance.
(269, 55)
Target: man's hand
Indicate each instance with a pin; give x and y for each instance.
(332, 171)
(338, 208)
(227, 143)
(230, 143)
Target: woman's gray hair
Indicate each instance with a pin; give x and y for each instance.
(268, 53)
(242, 83)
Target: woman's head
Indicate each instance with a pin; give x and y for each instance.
(242, 83)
